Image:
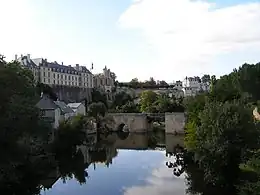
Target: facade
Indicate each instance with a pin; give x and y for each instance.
(53, 73)
(78, 108)
(105, 80)
(70, 83)
(49, 111)
(194, 85)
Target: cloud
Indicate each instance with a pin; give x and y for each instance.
(190, 35)
(161, 182)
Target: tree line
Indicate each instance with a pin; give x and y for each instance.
(152, 84)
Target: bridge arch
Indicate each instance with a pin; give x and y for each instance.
(120, 127)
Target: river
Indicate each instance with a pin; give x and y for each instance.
(131, 164)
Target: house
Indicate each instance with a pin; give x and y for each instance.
(49, 110)
(78, 108)
(66, 111)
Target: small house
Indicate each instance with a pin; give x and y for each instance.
(78, 108)
(49, 110)
(66, 111)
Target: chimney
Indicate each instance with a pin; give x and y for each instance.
(61, 63)
(15, 57)
(77, 67)
(28, 56)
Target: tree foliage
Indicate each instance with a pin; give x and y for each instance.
(97, 109)
(221, 131)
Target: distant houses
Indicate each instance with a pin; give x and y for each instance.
(55, 112)
(78, 108)
(66, 111)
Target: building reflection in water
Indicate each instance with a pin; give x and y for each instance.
(103, 151)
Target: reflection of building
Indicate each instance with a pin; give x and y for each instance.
(171, 141)
(137, 141)
(94, 154)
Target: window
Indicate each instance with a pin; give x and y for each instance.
(44, 74)
(65, 82)
(49, 81)
(58, 76)
(65, 76)
(69, 77)
(44, 80)
(61, 76)
(42, 113)
(53, 75)
(53, 81)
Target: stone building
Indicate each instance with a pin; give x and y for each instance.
(70, 83)
(105, 82)
(53, 73)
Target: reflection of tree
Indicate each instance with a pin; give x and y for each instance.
(183, 161)
(177, 164)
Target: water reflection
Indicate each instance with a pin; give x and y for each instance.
(117, 163)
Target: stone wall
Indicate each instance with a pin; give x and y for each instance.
(136, 122)
(72, 94)
(174, 122)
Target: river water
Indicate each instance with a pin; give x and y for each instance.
(133, 164)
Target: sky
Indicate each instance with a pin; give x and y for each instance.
(164, 39)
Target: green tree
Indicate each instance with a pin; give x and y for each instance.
(134, 83)
(23, 136)
(205, 78)
(163, 83)
(129, 107)
(97, 96)
(147, 101)
(97, 109)
(46, 89)
(121, 99)
(226, 134)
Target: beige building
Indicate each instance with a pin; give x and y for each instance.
(53, 73)
(105, 80)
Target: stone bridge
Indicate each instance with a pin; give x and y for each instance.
(138, 122)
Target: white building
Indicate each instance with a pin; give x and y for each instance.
(78, 108)
(194, 85)
(53, 73)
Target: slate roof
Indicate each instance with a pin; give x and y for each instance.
(28, 63)
(37, 62)
(64, 108)
(46, 103)
(74, 105)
